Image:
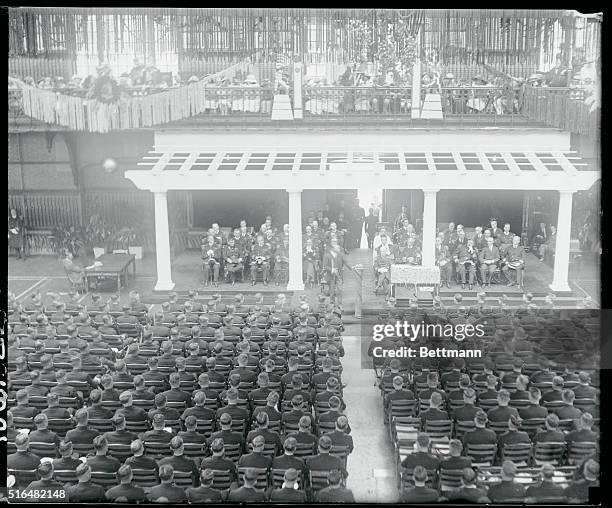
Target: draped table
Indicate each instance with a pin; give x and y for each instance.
(414, 275)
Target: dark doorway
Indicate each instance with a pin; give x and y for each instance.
(229, 207)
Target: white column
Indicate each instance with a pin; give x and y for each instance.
(416, 81)
(162, 243)
(429, 227)
(562, 247)
(298, 113)
(295, 240)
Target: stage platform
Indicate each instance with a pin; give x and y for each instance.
(46, 273)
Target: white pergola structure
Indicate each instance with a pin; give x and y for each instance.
(430, 160)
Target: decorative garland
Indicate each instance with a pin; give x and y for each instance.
(93, 115)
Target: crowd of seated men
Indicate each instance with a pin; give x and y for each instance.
(519, 424)
(477, 258)
(200, 401)
(263, 255)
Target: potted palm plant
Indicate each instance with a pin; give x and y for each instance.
(132, 234)
(98, 234)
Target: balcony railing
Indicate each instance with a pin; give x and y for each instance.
(487, 105)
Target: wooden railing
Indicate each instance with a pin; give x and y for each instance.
(559, 107)
(563, 108)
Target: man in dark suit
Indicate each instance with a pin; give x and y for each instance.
(334, 261)
(370, 227)
(489, 258)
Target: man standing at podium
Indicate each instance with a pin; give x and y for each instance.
(334, 261)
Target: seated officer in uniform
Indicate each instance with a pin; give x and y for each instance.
(178, 461)
(261, 254)
(211, 256)
(288, 493)
(335, 492)
(55, 489)
(489, 257)
(233, 256)
(466, 258)
(480, 435)
(546, 490)
(469, 491)
(422, 456)
(247, 493)
(514, 259)
(166, 491)
(205, 493)
(126, 491)
(508, 490)
(419, 493)
(85, 491)
(442, 253)
(22, 459)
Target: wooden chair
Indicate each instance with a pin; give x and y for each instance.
(519, 453)
(65, 476)
(233, 452)
(119, 451)
(462, 427)
(580, 450)
(482, 454)
(43, 449)
(221, 480)
(157, 450)
(106, 480)
(101, 426)
(83, 449)
(278, 477)
(548, 452)
(193, 450)
(532, 425)
(438, 429)
(144, 478)
(450, 479)
(262, 477)
(23, 477)
(183, 479)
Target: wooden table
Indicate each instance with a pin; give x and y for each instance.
(113, 266)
